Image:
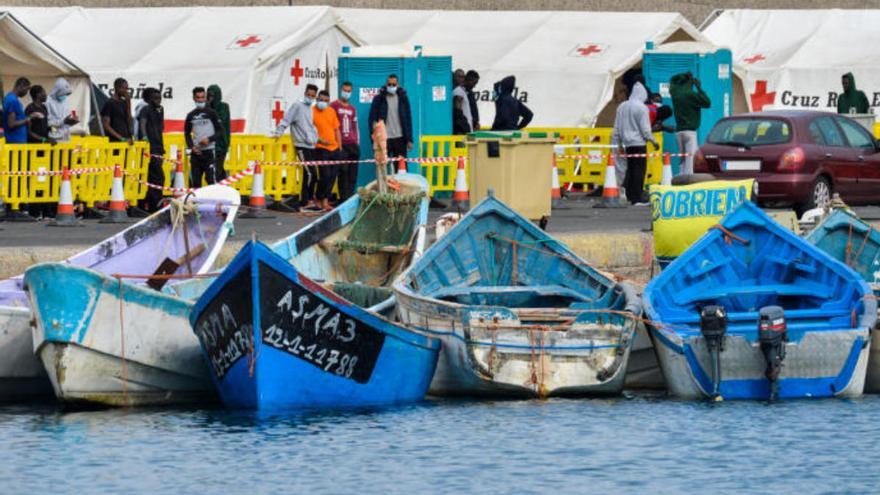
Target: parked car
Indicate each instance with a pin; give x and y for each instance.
(797, 157)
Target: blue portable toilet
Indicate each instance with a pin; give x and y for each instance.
(426, 79)
(708, 63)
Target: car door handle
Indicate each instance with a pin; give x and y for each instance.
(861, 158)
(828, 155)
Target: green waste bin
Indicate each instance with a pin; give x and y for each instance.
(517, 165)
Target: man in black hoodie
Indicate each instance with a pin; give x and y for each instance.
(151, 125)
(391, 105)
(510, 113)
(202, 129)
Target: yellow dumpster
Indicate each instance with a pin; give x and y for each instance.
(517, 165)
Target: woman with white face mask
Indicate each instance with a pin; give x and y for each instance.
(61, 117)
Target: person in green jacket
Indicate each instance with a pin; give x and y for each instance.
(851, 100)
(688, 100)
(215, 102)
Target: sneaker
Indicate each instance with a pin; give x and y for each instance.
(642, 204)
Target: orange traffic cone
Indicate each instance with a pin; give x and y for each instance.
(117, 200)
(555, 191)
(257, 200)
(179, 183)
(461, 199)
(401, 166)
(666, 176)
(65, 216)
(610, 192)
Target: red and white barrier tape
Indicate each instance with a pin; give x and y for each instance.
(73, 171)
(232, 179)
(631, 155)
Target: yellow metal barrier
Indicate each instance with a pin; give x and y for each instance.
(877, 130)
(88, 187)
(441, 176)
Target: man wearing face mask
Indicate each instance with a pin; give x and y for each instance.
(151, 125)
(201, 129)
(350, 150)
(61, 117)
(300, 119)
(327, 124)
(391, 105)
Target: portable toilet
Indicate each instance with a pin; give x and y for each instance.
(708, 63)
(426, 79)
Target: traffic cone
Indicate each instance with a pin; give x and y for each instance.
(117, 200)
(65, 216)
(666, 176)
(555, 191)
(610, 192)
(401, 166)
(257, 200)
(179, 183)
(460, 197)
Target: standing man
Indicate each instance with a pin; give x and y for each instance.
(116, 114)
(38, 130)
(632, 131)
(688, 100)
(391, 105)
(60, 115)
(351, 149)
(462, 119)
(151, 123)
(851, 100)
(16, 120)
(510, 113)
(471, 79)
(215, 101)
(202, 129)
(301, 121)
(329, 137)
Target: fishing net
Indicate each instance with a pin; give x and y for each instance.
(360, 294)
(379, 237)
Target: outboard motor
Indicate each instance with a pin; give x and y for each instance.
(713, 326)
(772, 335)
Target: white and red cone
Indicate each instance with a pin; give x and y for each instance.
(257, 201)
(65, 216)
(461, 198)
(118, 205)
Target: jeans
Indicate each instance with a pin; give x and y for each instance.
(202, 163)
(635, 173)
(310, 175)
(348, 173)
(687, 143)
(326, 173)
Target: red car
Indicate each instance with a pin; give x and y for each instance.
(796, 156)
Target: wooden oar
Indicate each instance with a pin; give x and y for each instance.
(169, 266)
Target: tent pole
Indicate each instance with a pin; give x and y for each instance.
(97, 110)
(708, 20)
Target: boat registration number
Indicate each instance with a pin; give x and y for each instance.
(298, 322)
(736, 165)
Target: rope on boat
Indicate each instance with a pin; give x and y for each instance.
(729, 236)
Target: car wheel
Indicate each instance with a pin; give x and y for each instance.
(820, 194)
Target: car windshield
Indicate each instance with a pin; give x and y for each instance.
(750, 132)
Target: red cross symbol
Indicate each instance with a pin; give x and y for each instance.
(250, 40)
(754, 59)
(277, 113)
(761, 97)
(297, 72)
(586, 51)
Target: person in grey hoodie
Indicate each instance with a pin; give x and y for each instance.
(632, 132)
(61, 117)
(301, 121)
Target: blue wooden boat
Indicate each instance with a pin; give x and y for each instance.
(307, 325)
(857, 244)
(519, 314)
(752, 311)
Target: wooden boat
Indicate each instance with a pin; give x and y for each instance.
(519, 314)
(114, 341)
(752, 311)
(855, 243)
(308, 323)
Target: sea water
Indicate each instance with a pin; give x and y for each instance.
(637, 443)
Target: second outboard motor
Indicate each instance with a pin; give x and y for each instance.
(772, 335)
(713, 326)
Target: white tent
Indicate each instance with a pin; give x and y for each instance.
(566, 63)
(24, 54)
(795, 58)
(261, 57)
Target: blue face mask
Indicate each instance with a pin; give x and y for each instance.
(200, 104)
(391, 89)
(322, 105)
(307, 100)
(62, 97)
(345, 95)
